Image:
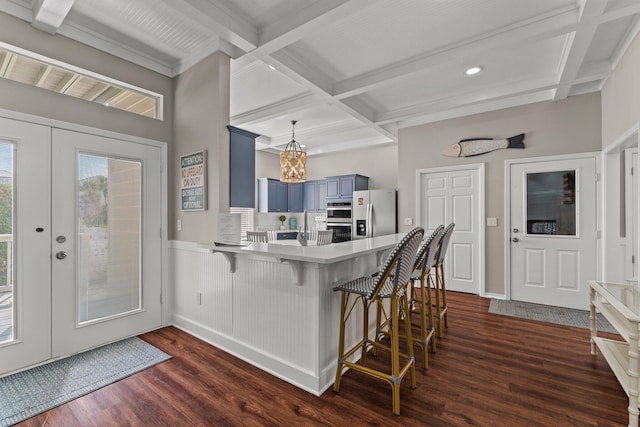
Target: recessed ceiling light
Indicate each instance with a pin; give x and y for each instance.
(272, 67)
(473, 70)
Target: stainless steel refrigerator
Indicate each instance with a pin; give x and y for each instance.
(374, 213)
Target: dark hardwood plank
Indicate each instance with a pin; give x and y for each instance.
(489, 370)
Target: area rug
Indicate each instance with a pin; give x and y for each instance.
(550, 314)
(28, 393)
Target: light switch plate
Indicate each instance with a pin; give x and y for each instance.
(492, 222)
(408, 221)
(179, 225)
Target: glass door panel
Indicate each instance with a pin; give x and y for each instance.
(551, 203)
(7, 308)
(109, 237)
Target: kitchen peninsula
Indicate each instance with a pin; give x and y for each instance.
(273, 305)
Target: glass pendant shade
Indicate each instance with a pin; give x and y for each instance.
(293, 161)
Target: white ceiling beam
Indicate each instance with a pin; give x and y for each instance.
(48, 15)
(45, 69)
(553, 24)
(67, 82)
(482, 95)
(332, 130)
(300, 24)
(211, 14)
(543, 26)
(96, 91)
(276, 109)
(577, 46)
(7, 64)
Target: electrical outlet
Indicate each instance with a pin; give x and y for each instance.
(408, 221)
(179, 225)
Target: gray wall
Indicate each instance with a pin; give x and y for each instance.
(378, 163)
(40, 102)
(551, 128)
(201, 116)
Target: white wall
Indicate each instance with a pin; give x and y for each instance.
(568, 126)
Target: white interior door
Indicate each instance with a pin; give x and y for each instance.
(106, 242)
(553, 231)
(631, 214)
(25, 276)
(455, 196)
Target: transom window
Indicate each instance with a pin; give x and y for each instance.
(36, 70)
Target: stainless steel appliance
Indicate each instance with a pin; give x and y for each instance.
(339, 220)
(374, 213)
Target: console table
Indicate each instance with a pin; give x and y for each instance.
(620, 305)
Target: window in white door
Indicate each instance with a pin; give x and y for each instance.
(551, 203)
(8, 313)
(109, 237)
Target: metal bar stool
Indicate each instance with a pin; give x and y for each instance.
(258, 236)
(421, 300)
(391, 284)
(440, 287)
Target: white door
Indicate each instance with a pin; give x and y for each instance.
(106, 241)
(25, 297)
(455, 196)
(631, 205)
(80, 255)
(553, 231)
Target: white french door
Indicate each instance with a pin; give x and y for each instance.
(87, 249)
(553, 231)
(106, 243)
(25, 311)
(455, 195)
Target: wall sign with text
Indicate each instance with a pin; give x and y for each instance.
(193, 180)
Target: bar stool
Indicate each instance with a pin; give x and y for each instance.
(258, 236)
(440, 288)
(425, 261)
(390, 283)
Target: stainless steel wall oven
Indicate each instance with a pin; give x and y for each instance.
(339, 220)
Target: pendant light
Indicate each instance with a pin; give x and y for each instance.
(293, 161)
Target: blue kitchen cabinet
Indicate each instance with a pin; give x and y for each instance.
(295, 197)
(322, 195)
(341, 188)
(273, 195)
(315, 196)
(242, 166)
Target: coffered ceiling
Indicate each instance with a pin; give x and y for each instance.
(353, 72)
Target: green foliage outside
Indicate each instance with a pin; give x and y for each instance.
(93, 201)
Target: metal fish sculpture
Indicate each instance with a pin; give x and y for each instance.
(477, 146)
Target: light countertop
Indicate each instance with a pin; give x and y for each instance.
(326, 254)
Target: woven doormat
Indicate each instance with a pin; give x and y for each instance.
(550, 314)
(28, 393)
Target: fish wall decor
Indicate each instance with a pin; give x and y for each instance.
(477, 146)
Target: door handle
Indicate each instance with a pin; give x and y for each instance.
(515, 240)
(61, 255)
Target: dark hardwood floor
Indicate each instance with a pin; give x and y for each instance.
(489, 370)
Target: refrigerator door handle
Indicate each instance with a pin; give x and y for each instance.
(370, 220)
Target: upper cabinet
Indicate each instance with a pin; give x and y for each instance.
(311, 196)
(315, 195)
(242, 167)
(273, 195)
(295, 197)
(341, 188)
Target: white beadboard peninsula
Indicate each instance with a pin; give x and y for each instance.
(271, 304)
